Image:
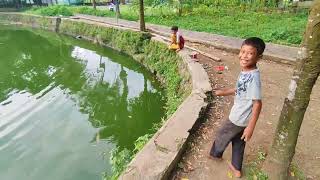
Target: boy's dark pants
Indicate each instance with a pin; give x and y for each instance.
(229, 132)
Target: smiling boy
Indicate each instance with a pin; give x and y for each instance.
(245, 111)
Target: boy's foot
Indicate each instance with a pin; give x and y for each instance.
(214, 158)
(235, 172)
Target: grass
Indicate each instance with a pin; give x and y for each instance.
(280, 27)
(253, 169)
(296, 173)
(272, 27)
(52, 11)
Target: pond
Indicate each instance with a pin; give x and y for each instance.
(65, 104)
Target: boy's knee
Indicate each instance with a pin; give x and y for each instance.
(217, 149)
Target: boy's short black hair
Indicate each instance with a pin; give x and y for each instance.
(255, 42)
(174, 28)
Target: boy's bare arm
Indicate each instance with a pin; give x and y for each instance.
(225, 92)
(248, 131)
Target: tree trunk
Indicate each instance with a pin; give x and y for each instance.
(94, 4)
(304, 77)
(117, 8)
(180, 8)
(279, 3)
(142, 23)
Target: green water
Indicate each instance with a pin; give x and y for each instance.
(65, 104)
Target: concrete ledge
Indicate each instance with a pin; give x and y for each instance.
(200, 79)
(34, 21)
(162, 153)
(3, 9)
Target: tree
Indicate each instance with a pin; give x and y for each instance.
(94, 4)
(180, 8)
(304, 77)
(142, 22)
(279, 3)
(38, 2)
(117, 8)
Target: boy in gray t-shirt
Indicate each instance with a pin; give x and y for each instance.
(245, 111)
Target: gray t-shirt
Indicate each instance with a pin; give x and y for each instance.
(248, 89)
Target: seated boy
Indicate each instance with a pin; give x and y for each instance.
(177, 41)
(245, 111)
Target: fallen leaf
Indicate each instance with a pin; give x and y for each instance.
(229, 174)
(292, 174)
(190, 168)
(310, 177)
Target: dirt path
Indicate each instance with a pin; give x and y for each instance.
(195, 164)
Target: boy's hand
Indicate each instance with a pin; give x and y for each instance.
(247, 133)
(217, 92)
(224, 92)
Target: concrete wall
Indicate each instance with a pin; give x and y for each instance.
(45, 23)
(162, 153)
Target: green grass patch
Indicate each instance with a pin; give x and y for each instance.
(253, 169)
(280, 27)
(57, 10)
(296, 173)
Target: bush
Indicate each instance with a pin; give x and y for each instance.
(119, 160)
(53, 11)
(91, 11)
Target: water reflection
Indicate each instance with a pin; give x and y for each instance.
(57, 99)
(118, 99)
